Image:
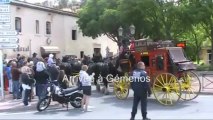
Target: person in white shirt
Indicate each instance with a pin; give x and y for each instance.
(86, 81)
(40, 66)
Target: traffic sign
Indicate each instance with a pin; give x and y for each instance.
(8, 33)
(4, 8)
(5, 18)
(4, 1)
(8, 46)
(9, 40)
(5, 26)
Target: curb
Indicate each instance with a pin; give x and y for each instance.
(206, 93)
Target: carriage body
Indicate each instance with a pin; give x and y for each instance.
(171, 73)
(164, 60)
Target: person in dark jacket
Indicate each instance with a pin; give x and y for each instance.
(41, 78)
(61, 80)
(15, 78)
(27, 82)
(141, 88)
(53, 72)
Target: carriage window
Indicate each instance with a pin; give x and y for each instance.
(145, 59)
(159, 62)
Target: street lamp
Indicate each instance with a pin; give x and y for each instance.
(120, 31)
(132, 29)
(125, 38)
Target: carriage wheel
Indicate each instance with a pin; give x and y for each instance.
(190, 84)
(167, 89)
(121, 87)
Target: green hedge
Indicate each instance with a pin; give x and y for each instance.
(204, 68)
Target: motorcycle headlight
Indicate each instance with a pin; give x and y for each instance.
(48, 89)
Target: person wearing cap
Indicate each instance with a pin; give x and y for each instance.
(140, 86)
(50, 60)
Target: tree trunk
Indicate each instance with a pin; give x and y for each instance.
(197, 49)
(198, 57)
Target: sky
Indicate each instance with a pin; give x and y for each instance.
(36, 1)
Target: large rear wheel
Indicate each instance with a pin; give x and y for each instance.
(166, 89)
(190, 84)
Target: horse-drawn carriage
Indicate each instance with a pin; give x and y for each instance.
(171, 73)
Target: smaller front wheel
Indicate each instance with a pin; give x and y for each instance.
(43, 104)
(76, 99)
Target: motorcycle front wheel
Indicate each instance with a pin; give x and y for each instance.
(76, 99)
(43, 104)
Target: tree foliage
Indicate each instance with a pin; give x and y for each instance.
(191, 20)
(100, 17)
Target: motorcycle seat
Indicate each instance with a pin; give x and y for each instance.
(69, 90)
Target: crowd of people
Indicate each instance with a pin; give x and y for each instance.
(26, 78)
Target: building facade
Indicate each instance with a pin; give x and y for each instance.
(45, 30)
(205, 55)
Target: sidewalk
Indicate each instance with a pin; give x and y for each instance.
(8, 105)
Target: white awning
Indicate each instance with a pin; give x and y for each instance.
(50, 49)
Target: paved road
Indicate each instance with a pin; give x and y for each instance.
(108, 107)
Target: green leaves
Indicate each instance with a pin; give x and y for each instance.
(99, 17)
(152, 18)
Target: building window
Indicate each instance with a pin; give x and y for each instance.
(74, 35)
(82, 54)
(37, 27)
(209, 55)
(18, 24)
(48, 28)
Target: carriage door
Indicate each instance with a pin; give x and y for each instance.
(158, 62)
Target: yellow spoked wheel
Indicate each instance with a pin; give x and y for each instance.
(190, 84)
(121, 87)
(166, 89)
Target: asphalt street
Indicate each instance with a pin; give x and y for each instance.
(108, 107)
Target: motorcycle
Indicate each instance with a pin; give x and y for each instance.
(62, 96)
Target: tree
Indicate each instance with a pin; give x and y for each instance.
(201, 11)
(158, 19)
(100, 17)
(143, 15)
(63, 4)
(194, 38)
